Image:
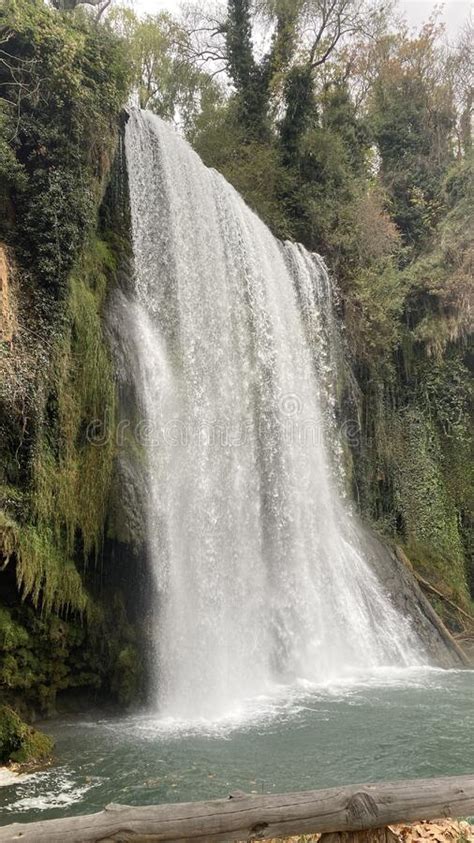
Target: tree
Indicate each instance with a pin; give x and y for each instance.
(306, 35)
(169, 82)
(63, 80)
(460, 71)
(253, 79)
(413, 121)
(248, 77)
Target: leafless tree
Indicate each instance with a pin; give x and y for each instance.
(205, 25)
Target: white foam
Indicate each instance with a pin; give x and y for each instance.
(9, 777)
(283, 703)
(55, 788)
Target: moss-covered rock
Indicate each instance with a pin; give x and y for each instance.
(69, 619)
(44, 657)
(65, 627)
(21, 743)
(128, 675)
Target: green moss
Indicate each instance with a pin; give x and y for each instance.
(439, 570)
(8, 537)
(413, 468)
(46, 575)
(62, 632)
(429, 516)
(10, 494)
(127, 675)
(71, 473)
(57, 393)
(21, 743)
(43, 573)
(35, 747)
(55, 522)
(62, 140)
(47, 655)
(12, 634)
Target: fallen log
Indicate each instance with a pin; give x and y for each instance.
(429, 587)
(242, 817)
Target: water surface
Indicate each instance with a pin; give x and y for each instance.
(398, 724)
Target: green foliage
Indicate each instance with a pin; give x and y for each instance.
(440, 300)
(19, 742)
(44, 574)
(12, 635)
(11, 172)
(301, 110)
(43, 656)
(253, 167)
(375, 302)
(57, 137)
(249, 78)
(158, 50)
(127, 676)
(239, 43)
(71, 475)
(414, 467)
(428, 513)
(63, 80)
(413, 119)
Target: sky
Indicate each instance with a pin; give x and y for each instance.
(455, 12)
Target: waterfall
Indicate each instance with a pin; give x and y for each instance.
(260, 572)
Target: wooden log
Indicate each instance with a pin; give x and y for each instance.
(241, 817)
(430, 587)
(464, 657)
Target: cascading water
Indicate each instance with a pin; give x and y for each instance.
(260, 571)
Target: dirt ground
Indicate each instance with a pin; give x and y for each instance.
(438, 831)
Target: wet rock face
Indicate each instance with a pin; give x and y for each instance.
(406, 595)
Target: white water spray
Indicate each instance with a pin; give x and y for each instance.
(260, 571)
